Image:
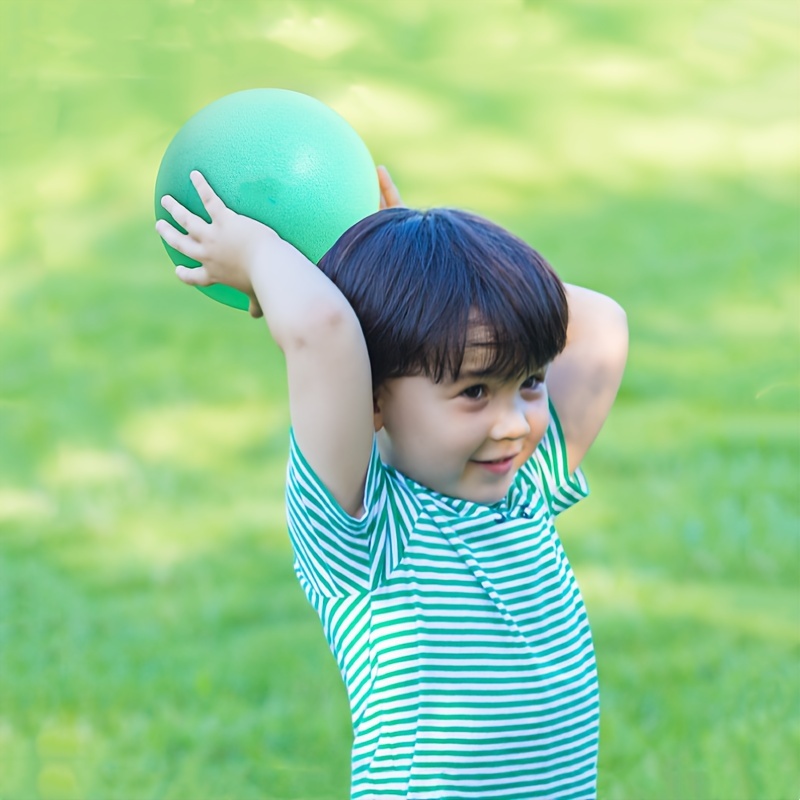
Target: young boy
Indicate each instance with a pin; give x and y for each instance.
(444, 386)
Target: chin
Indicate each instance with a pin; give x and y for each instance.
(489, 501)
(476, 491)
(487, 498)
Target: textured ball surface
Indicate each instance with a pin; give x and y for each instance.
(280, 157)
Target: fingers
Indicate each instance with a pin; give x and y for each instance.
(188, 221)
(193, 277)
(390, 196)
(196, 227)
(210, 199)
(181, 242)
(255, 309)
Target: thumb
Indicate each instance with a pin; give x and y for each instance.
(197, 276)
(255, 309)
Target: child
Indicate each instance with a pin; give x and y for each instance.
(444, 386)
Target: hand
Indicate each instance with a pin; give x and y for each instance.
(390, 197)
(228, 248)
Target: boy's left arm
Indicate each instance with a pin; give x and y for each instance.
(584, 378)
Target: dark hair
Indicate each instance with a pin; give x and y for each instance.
(419, 280)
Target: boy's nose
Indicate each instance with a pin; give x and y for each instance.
(511, 423)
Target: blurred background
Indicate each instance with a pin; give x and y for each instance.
(154, 642)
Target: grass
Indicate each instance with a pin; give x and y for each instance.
(154, 643)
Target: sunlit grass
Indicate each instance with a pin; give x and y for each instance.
(154, 642)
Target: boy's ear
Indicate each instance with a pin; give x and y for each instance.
(377, 412)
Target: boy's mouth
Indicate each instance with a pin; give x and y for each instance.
(499, 466)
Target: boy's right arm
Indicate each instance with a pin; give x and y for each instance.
(328, 370)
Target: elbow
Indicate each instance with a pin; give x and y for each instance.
(618, 333)
(607, 337)
(615, 312)
(321, 323)
(620, 321)
(618, 339)
(596, 319)
(614, 322)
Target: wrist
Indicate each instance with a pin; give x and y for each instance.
(261, 251)
(275, 267)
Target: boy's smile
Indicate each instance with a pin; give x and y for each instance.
(465, 438)
(498, 466)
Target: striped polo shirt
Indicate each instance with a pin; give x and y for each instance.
(459, 631)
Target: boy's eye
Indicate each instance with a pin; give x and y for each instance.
(475, 392)
(533, 382)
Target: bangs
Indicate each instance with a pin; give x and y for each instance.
(506, 347)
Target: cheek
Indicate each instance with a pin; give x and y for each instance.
(543, 422)
(439, 432)
(416, 430)
(441, 437)
(539, 422)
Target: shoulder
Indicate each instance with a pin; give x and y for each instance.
(308, 497)
(335, 551)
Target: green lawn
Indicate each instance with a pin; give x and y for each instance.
(154, 643)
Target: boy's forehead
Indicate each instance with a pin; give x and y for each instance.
(478, 358)
(480, 347)
(480, 361)
(479, 334)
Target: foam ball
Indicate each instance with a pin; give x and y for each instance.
(280, 157)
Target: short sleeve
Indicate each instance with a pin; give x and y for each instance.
(336, 554)
(549, 468)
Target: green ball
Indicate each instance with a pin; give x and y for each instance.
(280, 157)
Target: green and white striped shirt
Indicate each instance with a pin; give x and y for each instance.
(459, 631)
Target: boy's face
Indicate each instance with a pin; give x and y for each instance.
(465, 438)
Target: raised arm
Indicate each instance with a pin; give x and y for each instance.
(584, 378)
(328, 371)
